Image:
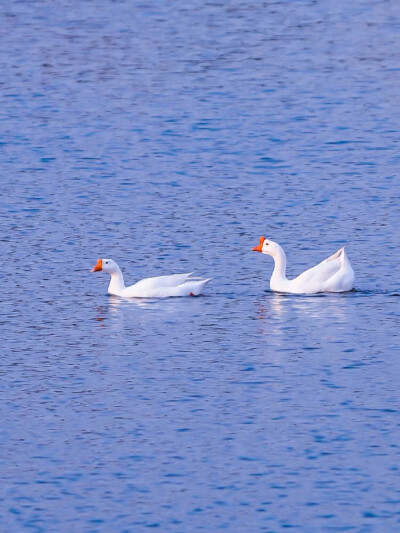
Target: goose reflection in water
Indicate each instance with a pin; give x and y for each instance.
(282, 314)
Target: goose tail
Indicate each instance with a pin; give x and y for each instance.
(340, 254)
(195, 286)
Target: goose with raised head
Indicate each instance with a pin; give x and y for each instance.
(334, 274)
(159, 287)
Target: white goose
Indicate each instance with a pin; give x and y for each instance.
(159, 287)
(334, 274)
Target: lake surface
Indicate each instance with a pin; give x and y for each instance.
(169, 136)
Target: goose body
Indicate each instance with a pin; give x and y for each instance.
(159, 287)
(334, 274)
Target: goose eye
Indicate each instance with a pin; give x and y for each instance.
(106, 262)
(266, 244)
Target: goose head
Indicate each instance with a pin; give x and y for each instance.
(267, 247)
(106, 265)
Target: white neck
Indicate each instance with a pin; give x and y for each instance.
(117, 282)
(279, 274)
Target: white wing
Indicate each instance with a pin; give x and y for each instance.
(322, 272)
(334, 274)
(162, 281)
(164, 286)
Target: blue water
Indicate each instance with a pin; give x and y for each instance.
(169, 136)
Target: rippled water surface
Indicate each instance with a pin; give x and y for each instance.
(170, 136)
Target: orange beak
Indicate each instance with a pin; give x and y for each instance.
(259, 247)
(98, 266)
